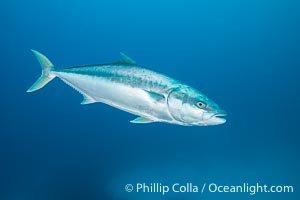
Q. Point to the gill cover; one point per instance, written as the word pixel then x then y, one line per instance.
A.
pixel 175 101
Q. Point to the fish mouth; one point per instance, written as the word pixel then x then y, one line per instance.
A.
pixel 220 114
pixel 217 118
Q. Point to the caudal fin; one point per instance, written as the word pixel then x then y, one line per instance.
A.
pixel 47 72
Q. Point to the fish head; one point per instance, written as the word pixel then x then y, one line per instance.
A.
pixel 192 108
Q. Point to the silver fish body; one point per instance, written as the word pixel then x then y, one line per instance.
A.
pixel 125 85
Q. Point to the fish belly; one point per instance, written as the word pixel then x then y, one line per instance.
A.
pixel 131 99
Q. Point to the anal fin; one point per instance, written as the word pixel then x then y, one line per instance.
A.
pixel 87 100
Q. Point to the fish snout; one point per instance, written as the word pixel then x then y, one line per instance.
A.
pixel 215 118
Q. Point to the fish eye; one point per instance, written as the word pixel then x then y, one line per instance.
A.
pixel 201 104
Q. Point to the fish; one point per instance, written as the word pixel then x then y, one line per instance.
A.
pixel 125 85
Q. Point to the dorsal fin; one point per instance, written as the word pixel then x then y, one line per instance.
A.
pixel 126 59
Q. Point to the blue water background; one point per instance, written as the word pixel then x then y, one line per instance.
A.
pixel 245 55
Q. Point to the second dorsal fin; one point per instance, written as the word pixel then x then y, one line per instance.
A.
pixel 126 59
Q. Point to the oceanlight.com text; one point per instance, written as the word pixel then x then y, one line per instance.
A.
pixel 189 187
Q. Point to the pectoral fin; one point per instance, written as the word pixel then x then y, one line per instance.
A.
pixel 155 96
pixel 141 120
